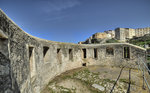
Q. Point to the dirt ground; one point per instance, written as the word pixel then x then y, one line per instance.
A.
pixel 108 79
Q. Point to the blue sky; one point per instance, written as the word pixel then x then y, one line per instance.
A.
pixel 76 20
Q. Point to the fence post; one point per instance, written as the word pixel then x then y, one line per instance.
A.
pixel 143 79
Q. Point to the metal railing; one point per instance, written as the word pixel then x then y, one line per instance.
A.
pixel 144 69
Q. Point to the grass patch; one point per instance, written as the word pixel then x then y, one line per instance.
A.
pixel 127 81
pixel 112 41
pixel 108 80
pixel 105 72
pixel 64 90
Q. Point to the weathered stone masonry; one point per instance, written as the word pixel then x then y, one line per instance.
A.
pixel 28 63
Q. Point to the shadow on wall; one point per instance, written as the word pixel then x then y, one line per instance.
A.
pixel 5 76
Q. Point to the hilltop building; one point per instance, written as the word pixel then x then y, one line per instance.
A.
pixel 124 34
pixel 142 31
pixel 99 37
pixel 111 33
pixel 121 34
pixel 105 34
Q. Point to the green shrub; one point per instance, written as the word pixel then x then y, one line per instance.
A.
pixel 111 41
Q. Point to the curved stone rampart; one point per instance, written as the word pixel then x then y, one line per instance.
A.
pixel 33 62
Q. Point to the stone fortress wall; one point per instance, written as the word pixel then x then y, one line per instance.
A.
pixel 28 63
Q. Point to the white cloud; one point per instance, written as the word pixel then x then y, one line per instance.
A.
pixel 59 5
pixel 54 9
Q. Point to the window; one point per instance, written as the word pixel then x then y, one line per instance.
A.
pixel 109 51
pixel 83 64
pixel 45 49
pixel 126 52
pixel 2 35
pixel 95 53
pixel 4 46
pixel 84 53
pixel 30 52
pixel 58 51
pixel 45 54
pixel 59 55
pixel 70 54
pixel 32 61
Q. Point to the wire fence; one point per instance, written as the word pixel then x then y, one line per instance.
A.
pixel 142 65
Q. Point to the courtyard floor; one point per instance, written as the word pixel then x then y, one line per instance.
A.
pixel 98 79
